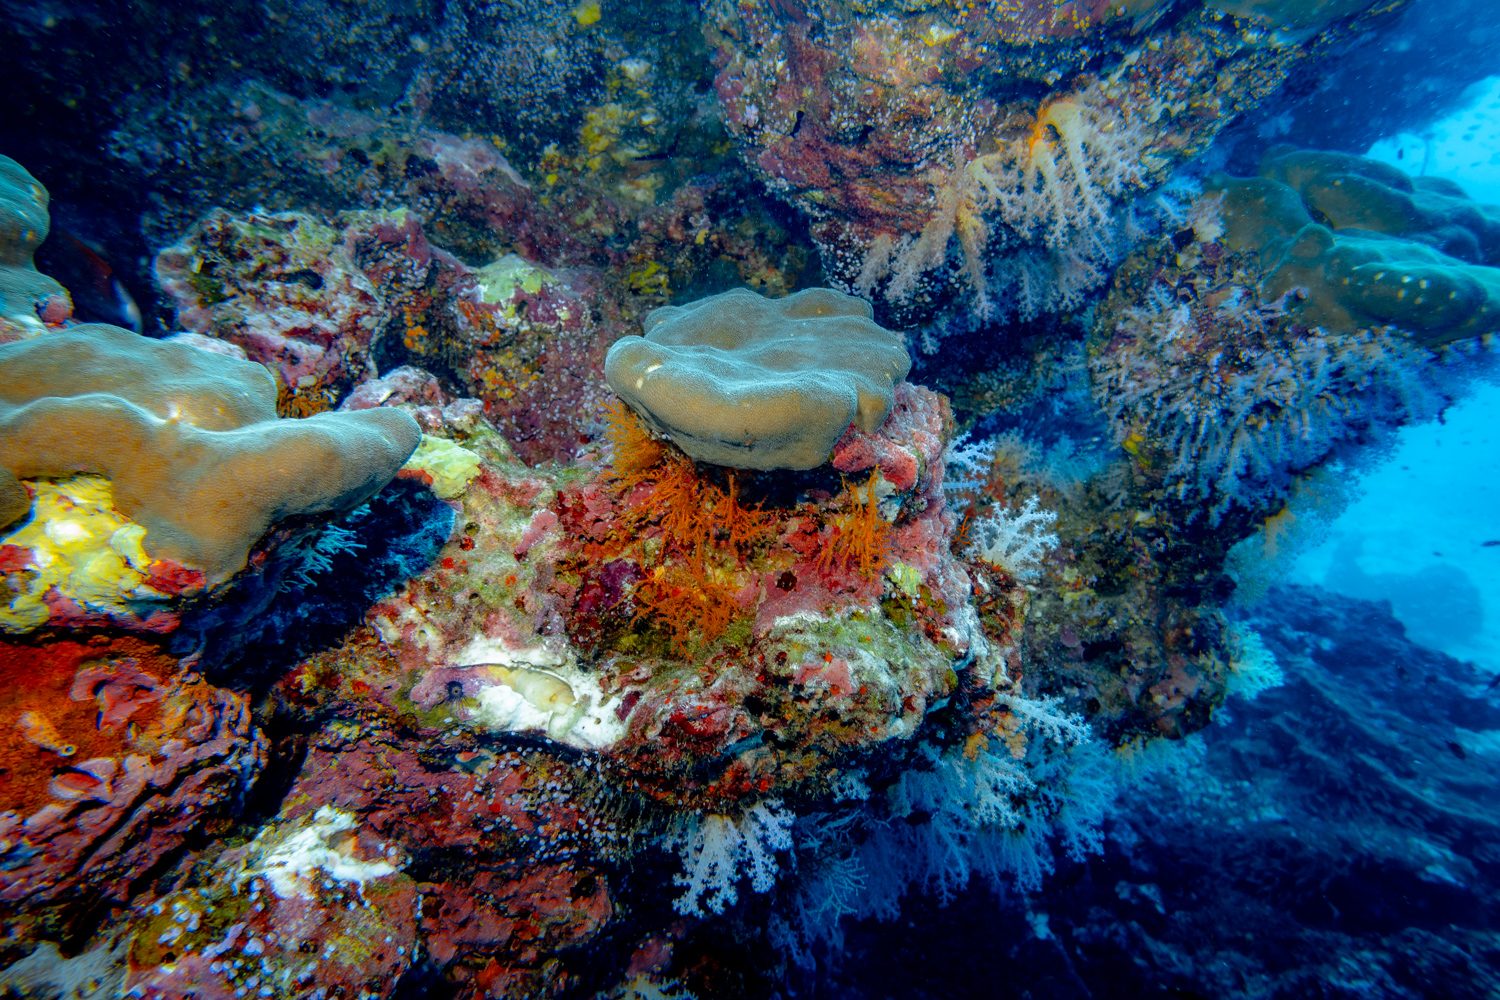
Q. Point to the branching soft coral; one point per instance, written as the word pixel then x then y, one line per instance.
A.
pixel 1054 186
pixel 694 514
pixel 1016 543
pixel 860 536
pixel 686 600
pixel 634 451
pixel 700 524
pixel 1231 399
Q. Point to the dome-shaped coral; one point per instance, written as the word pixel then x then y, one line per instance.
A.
pixel 755 383
pixel 24 224
pixel 189 439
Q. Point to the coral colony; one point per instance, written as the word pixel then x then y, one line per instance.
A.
pixel 523 543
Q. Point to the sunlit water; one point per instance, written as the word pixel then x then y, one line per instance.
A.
pixel 1425 533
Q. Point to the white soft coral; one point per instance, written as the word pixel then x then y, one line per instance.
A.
pixel 716 850
pixel 1017 543
pixel 1055 185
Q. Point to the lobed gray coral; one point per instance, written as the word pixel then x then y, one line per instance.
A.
pixel 755 383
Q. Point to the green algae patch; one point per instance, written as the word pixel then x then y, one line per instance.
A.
pixel 499 282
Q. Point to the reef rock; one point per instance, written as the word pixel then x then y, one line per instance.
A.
pixel 1007 140
pixel 111 757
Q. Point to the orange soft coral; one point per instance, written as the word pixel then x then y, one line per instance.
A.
pixel 684 600
pixel 861 536
pixel 634 450
pixel 693 513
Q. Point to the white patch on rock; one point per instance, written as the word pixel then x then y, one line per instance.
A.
pixel 310 854
pixel 541 688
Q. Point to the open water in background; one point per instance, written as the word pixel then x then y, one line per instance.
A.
pixel 1425 534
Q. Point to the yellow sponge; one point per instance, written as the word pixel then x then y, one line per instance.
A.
pixel 449 466
pixel 82 546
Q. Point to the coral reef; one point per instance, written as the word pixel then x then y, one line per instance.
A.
pixel 1255 345
pixel 1360 245
pixel 309 907
pixel 638 610
pixel 1009 140
pixel 755 383
pixel 527 341
pixel 1123 622
pixel 29 300
pixel 405 624
pixel 1361 780
pixel 306 300
pixel 189 440
pixel 566 611
pixel 112 756
pixel 596 198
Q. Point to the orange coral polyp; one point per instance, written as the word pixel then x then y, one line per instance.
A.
pixel 634 450
pixel 685 600
pixel 693 514
pixel 743 527
pixel 860 537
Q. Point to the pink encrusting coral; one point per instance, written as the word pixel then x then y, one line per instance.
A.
pixel 325 898
pixel 526 340
pixel 317 303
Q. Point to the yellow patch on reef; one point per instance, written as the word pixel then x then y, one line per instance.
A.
pixel 498 281
pixel 450 466
pixel 588 12
pixel 82 546
pixel 908 579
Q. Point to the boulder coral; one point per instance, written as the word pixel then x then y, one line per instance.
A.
pixel 189 440
pixel 1361 245
pixel 29 300
pixel 754 383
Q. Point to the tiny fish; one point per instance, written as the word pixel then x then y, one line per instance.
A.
pixel 98 293
pixel 35 727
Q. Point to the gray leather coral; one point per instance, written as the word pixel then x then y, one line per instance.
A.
pixel 190 441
